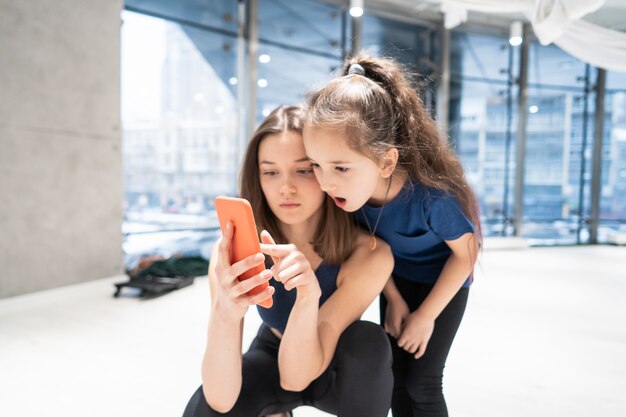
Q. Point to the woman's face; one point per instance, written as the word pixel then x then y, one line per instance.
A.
pixel 348 176
pixel 287 178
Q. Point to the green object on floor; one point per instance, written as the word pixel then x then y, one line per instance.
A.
pixel 161 276
pixel 192 266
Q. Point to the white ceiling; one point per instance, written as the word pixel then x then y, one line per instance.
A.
pixel 611 15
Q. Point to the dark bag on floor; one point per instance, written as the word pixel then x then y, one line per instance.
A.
pixel 161 276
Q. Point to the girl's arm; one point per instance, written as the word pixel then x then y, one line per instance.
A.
pixel 421 322
pixel 221 365
pixel 397 310
pixel 312 333
pixel 391 291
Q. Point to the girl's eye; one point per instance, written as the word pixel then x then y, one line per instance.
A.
pixel 269 173
pixel 305 171
pixel 342 169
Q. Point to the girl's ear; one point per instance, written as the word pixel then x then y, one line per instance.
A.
pixel 388 162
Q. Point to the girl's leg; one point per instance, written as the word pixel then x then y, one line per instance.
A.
pixel 360 374
pixel 422 379
pixel 401 404
pixel 260 392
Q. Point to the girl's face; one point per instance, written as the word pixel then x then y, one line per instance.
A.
pixel 287 178
pixel 349 177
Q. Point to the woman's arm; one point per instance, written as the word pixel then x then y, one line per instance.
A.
pixel 312 333
pixel 300 352
pixel 221 365
pixel 300 338
pixel 421 322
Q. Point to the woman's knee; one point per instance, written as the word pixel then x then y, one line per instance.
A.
pixel 198 406
pixel 365 341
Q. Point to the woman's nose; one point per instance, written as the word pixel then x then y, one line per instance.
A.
pixel 287 187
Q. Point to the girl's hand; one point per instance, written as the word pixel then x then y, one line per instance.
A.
pixel 291 267
pixel 396 314
pixel 232 300
pixel 416 334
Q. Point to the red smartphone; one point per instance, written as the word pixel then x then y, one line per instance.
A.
pixel 245 241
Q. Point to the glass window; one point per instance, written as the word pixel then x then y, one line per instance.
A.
pixel 175 99
pixel 306 24
pixel 412 45
pixel 475 56
pixel 289 76
pixel 407 43
pixel 613 191
pixel 180 117
pixel 483 123
pixel 299 48
pixel 558 149
pixel 550 65
pixel 217 14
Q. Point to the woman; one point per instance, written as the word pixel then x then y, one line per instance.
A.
pixel 311 349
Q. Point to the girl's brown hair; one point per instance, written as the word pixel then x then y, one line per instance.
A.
pixel 335 234
pixel 381 109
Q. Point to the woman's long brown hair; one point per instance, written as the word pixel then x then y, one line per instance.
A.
pixel 382 109
pixel 335 234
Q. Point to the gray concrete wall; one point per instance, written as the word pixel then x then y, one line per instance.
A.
pixel 60 159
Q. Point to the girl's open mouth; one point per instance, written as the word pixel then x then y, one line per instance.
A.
pixel 340 202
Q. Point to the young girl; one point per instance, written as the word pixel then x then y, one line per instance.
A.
pixel 377 153
pixel 311 348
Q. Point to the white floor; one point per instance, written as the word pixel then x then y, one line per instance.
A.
pixel 544 335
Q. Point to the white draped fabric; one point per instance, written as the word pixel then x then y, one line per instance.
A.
pixel 601 47
pixel 554 21
pixel 492 6
pixel 551 19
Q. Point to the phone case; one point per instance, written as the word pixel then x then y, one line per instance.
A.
pixel 245 238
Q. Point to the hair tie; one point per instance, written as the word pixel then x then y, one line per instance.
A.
pixel 356 69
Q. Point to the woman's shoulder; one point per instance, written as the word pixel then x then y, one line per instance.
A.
pixel 375 263
pixel 363 247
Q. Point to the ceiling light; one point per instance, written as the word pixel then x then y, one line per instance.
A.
pixel 515 37
pixel 262 83
pixel 356 8
pixel 264 59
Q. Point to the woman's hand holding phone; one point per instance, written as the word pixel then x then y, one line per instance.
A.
pixel 232 299
pixel 244 240
pixel 291 267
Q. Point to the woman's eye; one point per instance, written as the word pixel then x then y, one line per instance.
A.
pixel 342 169
pixel 269 173
pixel 305 171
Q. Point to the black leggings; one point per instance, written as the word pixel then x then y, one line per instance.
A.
pixel 418 382
pixel 358 381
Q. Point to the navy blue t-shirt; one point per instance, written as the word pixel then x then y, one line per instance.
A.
pixel 284 300
pixel 415 224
